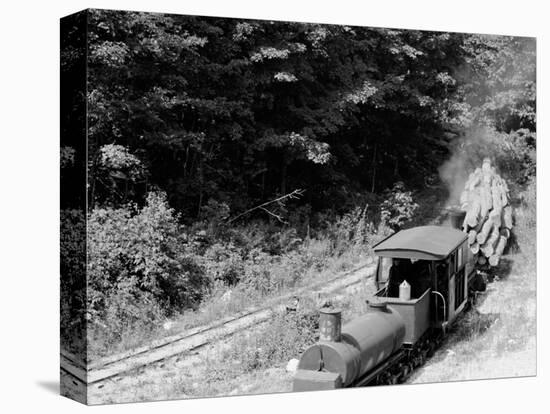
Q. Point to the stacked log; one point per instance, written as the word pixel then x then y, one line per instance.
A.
pixel 488 219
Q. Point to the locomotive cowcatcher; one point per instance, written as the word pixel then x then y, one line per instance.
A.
pixel 423 279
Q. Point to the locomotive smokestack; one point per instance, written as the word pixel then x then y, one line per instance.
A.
pixel 456 218
pixel 330 325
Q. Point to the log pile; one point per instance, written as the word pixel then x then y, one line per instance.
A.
pixel 488 220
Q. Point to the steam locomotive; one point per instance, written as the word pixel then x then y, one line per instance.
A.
pixel 424 277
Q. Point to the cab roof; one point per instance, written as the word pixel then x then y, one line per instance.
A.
pixel 425 243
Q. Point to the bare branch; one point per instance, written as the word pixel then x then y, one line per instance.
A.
pixel 278 217
pixel 293 195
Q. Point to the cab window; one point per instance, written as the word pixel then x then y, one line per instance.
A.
pixel 452 265
pixel 384 266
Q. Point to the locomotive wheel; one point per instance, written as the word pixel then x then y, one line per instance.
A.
pixel 382 379
pixel 388 379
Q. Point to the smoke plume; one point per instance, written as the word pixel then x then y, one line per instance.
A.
pixel 467 154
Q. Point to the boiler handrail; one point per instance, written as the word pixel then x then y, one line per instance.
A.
pixel 444 304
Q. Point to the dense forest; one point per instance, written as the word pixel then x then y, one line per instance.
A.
pixel 219 110
pixel 239 153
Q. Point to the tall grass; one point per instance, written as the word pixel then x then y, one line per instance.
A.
pixel 239 268
pixel 344 244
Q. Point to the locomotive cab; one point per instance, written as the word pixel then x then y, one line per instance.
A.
pixel 436 263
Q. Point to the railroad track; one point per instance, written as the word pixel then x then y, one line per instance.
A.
pixel 196 338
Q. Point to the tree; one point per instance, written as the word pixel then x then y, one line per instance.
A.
pixel 243 111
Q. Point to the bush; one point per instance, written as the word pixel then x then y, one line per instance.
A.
pixel 140 269
pixel 350 231
pixel 398 207
pixel 517 156
pixel 223 262
pixel 257 273
pixel 117 176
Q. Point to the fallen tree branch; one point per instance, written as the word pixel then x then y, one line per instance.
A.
pixel 293 195
pixel 278 217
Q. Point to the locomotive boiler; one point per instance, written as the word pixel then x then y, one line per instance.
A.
pixel 434 268
pixel 364 343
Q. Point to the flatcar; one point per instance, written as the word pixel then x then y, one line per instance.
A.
pixel 423 277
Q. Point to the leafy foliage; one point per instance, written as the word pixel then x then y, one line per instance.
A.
pixel 144 248
pixel 116 159
pixel 139 271
pixel 240 111
pixel 398 207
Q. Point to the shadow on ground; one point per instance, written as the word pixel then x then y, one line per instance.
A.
pixel 502 271
pixel 472 323
pixel 50 386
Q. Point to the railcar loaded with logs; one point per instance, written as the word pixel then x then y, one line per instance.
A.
pixel 425 277
pixel 488 220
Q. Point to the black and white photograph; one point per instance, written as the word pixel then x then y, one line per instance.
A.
pixel 275 206
pixel 280 205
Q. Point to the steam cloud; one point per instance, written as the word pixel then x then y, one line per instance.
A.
pixel 467 153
